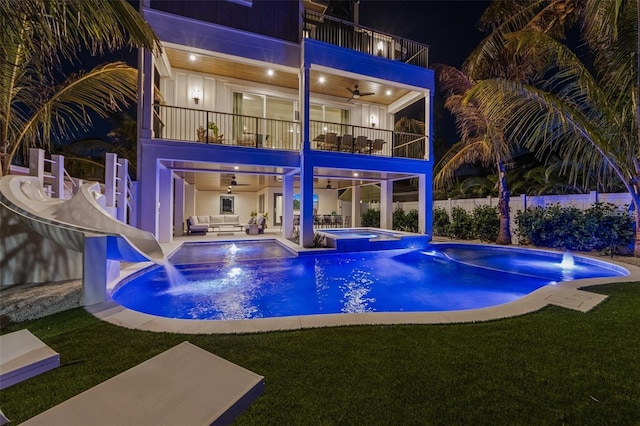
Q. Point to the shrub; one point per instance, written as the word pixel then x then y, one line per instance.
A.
pixel 411 221
pixel 319 240
pixel 601 227
pixel 371 218
pixel 407 222
pixel 486 223
pixel 614 227
pixel 461 224
pixel 399 219
pixel 441 222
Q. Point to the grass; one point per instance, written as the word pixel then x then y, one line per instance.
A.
pixel 554 366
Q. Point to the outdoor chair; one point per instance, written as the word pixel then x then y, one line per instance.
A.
pixel 347 143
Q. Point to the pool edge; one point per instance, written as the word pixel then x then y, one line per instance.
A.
pixel 567 294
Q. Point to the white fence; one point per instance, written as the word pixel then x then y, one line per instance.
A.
pixel 521 202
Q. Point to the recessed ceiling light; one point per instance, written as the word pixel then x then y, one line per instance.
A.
pixel 269 73
pixel 355 174
pixel 388 92
pixel 192 57
pixel 236 167
pixel 322 80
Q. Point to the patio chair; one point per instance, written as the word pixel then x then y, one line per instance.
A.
pixel 331 142
pixel 362 144
pixel 255 225
pixel 377 145
pixel 347 143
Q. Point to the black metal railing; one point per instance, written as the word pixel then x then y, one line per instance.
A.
pixel 362 39
pixel 329 136
pixel 194 125
pixel 212 127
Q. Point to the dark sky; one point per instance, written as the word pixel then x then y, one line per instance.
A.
pixel 449 27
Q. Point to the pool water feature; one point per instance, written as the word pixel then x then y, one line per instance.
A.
pixel 439 278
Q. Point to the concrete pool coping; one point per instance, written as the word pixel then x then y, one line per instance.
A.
pixel 567 294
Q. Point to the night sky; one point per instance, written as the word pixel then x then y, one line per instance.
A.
pixel 449 27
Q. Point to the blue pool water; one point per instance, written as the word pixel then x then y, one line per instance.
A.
pixel 253 280
pixel 360 233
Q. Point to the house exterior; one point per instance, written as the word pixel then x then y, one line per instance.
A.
pixel 275 107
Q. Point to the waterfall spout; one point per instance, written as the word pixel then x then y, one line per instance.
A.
pixel 567 261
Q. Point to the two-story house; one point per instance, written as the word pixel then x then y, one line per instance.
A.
pixel 275 106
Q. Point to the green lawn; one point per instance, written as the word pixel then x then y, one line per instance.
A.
pixel 555 366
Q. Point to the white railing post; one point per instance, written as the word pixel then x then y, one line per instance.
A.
pixel 57 173
pixel 132 203
pixel 36 164
pixel 110 181
pixel 122 189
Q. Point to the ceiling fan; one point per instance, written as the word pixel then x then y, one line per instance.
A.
pixel 355 93
pixel 230 179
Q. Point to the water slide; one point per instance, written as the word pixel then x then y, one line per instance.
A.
pixel 67 222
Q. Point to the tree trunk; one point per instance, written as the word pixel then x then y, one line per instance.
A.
pixel 504 232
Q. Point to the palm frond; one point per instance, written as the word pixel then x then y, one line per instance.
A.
pixel 64 111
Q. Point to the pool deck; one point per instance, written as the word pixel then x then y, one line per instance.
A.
pixel 566 294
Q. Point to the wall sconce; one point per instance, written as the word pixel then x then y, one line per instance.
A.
pixel 195 94
pixel 373 121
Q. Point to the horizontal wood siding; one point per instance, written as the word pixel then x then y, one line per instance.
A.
pixel 278 19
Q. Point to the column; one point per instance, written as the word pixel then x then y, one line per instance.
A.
pixel 306 203
pixel 165 206
pixel 386 204
pixel 179 217
pixel 287 206
pixel 356 219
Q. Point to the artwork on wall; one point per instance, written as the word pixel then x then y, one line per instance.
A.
pixel 226 204
pixel 296 202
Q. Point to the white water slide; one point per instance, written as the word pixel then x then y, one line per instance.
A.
pixel 67 222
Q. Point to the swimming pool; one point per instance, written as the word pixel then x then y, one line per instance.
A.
pixel 233 285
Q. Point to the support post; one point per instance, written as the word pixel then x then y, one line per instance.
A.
pixel 122 189
pixel 386 205
pixel 36 164
pixel 110 174
pixel 356 218
pixel 57 172
pixel 287 207
pixel 97 271
pixel 179 216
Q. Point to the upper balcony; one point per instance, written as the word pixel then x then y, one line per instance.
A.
pixel 225 129
pixel 348 35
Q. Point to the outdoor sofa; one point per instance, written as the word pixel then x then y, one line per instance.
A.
pixel 219 222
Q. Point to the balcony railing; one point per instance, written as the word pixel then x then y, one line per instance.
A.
pixel 192 125
pixel 186 124
pixel 366 40
pixel 328 136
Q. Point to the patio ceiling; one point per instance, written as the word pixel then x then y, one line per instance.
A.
pixel 217 176
pixel 334 84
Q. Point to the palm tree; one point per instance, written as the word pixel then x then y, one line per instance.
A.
pixel 482 141
pixel 483 137
pixel 42 37
pixel 588 113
